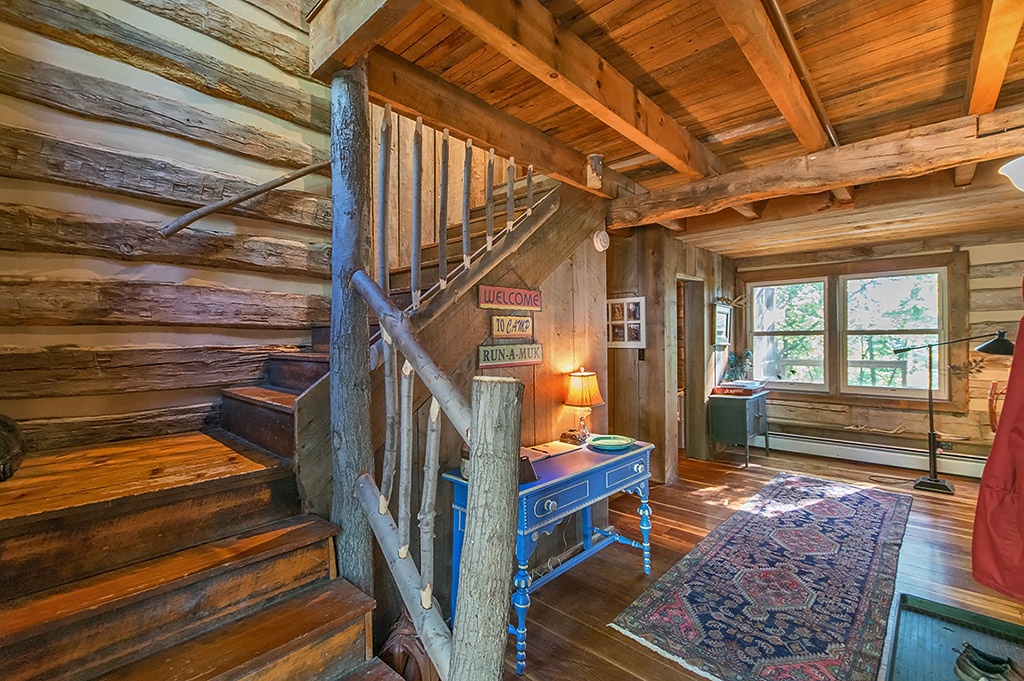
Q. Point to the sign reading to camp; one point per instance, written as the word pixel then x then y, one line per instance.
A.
pixel 504 298
pixel 510 326
pixel 492 356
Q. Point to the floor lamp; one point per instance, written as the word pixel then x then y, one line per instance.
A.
pixel 999 345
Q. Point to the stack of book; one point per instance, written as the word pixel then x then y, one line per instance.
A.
pixel 738 388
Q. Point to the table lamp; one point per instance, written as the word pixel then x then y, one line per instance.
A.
pixel 584 393
pixel 998 345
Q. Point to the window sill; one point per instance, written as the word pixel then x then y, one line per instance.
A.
pixel 879 402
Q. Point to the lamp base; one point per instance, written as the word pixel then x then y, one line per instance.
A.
pixel 934 485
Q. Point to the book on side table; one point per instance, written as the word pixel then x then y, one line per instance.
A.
pixel 738 388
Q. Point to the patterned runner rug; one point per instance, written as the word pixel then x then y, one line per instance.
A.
pixel 795 586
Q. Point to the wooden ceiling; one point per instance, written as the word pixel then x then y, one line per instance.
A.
pixel 738 92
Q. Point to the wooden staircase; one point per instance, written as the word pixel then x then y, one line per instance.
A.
pixel 178 557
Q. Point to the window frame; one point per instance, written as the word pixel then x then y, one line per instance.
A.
pixel 956 298
pixel 795 386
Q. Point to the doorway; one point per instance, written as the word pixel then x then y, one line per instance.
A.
pixel 690 381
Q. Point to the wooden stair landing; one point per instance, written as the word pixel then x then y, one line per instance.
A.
pixel 57 481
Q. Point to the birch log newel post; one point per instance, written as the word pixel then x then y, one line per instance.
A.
pixel 350 335
pixel 481 618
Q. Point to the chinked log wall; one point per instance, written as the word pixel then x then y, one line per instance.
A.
pixel 118 117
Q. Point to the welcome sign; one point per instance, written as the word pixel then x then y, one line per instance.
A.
pixel 505 298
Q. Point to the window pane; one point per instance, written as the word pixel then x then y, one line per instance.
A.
pixel 871 362
pixel 790 307
pixel 907 301
pixel 797 359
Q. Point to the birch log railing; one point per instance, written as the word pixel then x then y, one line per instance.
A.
pixel 474 650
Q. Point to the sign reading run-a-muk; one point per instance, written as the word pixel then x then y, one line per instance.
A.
pixel 505 298
pixel 492 356
pixel 511 326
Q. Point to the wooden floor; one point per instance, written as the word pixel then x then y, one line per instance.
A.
pixel 568 634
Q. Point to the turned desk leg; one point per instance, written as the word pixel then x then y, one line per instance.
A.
pixel 521 599
pixel 645 529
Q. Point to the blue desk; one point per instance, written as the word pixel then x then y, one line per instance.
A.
pixel 566 483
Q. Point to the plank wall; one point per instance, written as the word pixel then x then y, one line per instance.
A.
pixel 643 387
pixel 118 116
pixel 996 268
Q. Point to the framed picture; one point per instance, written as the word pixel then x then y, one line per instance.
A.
pixel 723 324
pixel 626 323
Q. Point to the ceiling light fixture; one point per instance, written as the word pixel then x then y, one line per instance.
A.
pixel 1015 171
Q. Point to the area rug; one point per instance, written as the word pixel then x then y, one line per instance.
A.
pixel 794 586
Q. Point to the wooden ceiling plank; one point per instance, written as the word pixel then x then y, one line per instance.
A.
pixel 998 28
pixel 909 153
pixel 342 31
pixel 526 33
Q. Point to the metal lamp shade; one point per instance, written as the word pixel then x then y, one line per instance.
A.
pixel 1015 171
pixel 1000 345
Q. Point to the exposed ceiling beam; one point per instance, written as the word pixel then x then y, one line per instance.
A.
pixel 910 153
pixel 528 34
pixel 998 28
pixel 781 70
pixel 342 31
pixel 414 91
pixel 752 28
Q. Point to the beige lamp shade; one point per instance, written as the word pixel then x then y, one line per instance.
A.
pixel 583 390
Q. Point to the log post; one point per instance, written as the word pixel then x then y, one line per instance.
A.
pixel 481 618
pixel 350 335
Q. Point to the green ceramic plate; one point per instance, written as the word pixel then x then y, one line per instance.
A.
pixel 610 443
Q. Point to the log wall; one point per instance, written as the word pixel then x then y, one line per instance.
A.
pixel 996 268
pixel 121 115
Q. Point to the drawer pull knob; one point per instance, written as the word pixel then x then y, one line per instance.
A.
pixel 550 505
pixel 638 467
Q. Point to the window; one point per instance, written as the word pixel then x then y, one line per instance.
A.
pixel 834 332
pixel 789 332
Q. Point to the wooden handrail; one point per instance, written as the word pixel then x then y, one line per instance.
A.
pixel 172 228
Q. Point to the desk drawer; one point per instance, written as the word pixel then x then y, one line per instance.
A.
pixel 549 504
pixel 633 468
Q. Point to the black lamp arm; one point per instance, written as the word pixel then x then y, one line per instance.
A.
pixel 899 351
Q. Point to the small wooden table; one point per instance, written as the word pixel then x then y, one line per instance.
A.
pixel 566 483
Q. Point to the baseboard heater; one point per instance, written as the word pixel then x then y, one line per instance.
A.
pixel 902 457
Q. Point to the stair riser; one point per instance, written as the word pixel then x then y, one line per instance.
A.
pixel 111 535
pixel 295 374
pixel 94 645
pixel 323 659
pixel 263 426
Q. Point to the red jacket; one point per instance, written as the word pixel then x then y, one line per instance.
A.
pixel 998 547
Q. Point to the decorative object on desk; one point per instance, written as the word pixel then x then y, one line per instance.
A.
pixel 583 394
pixel 627 323
pixel 739 388
pixel 999 345
pixel 722 324
pixel 796 584
pixel 740 365
pixel 610 443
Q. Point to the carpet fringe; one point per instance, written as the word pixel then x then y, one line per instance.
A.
pixel 678 660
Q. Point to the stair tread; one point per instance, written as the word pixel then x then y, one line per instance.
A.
pixel 82 477
pixel 246 643
pixel 374 670
pixel 60 606
pixel 280 399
